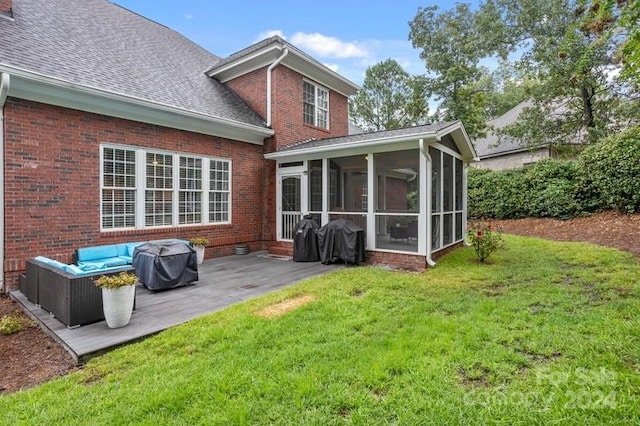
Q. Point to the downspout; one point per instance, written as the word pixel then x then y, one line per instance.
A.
pixel 4 91
pixel 426 155
pixel 285 52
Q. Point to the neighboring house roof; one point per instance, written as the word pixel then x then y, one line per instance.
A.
pixel 269 50
pixel 354 130
pixel 362 140
pixel 98 46
pixel 492 145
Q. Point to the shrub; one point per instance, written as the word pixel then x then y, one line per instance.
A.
pixel 117 280
pixel 10 324
pixel 609 174
pixel 550 187
pixel 484 239
pixel 199 241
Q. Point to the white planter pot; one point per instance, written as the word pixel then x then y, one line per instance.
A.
pixel 199 253
pixel 117 304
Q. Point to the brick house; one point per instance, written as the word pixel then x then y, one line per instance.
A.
pixel 115 128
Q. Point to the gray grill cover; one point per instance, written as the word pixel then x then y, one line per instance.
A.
pixel 343 240
pixel 161 266
pixel 305 241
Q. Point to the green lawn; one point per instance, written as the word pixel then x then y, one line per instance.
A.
pixel 546 333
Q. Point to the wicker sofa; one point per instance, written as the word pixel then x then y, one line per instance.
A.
pixel 71 298
pixel 68 291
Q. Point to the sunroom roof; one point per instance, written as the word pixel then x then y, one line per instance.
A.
pixel 427 132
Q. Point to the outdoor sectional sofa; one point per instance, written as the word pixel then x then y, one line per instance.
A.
pixel 68 291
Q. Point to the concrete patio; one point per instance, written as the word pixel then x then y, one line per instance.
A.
pixel 223 282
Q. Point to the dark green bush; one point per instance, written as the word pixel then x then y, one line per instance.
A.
pixel 609 174
pixel 605 176
pixel 543 190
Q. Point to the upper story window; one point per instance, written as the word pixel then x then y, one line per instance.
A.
pixel 146 188
pixel 316 105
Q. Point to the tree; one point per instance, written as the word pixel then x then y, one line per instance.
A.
pixel 568 71
pixel 452 49
pixel 390 98
pixel 616 22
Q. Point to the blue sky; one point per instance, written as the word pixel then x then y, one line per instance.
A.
pixel 348 35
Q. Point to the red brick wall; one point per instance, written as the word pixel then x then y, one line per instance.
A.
pixel 396 194
pixel 5 6
pixel 287 120
pixel 52 183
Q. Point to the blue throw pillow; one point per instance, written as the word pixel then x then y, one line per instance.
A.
pixel 91 266
pixel 73 269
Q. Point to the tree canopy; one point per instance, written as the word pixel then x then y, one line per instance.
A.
pixel 390 98
pixel 567 70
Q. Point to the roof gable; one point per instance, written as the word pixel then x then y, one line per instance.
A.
pixel 267 51
pixel 453 132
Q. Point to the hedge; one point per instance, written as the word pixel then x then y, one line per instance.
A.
pixel 605 176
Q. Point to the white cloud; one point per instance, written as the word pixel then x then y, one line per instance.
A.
pixel 327 47
pixel 269 33
pixel 332 67
pixel 188 16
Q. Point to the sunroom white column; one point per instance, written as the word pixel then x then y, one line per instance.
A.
pixel 371 206
pixel 424 230
pixel 325 191
pixel 465 176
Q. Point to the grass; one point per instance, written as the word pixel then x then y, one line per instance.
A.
pixel 545 333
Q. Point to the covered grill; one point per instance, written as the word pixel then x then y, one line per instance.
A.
pixel 161 266
pixel 342 240
pixel 305 240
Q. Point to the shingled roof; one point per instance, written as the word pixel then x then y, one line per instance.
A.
pixel 495 145
pixel 100 45
pixel 360 140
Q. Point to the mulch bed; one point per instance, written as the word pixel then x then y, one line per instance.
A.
pixel 31 357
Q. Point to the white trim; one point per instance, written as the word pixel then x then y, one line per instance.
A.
pixel 296 60
pixel 317 88
pixel 140 189
pixel 397 143
pixel 5 83
pixel 40 88
pixel 372 192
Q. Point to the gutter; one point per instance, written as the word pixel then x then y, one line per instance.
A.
pixel 46 81
pixel 5 80
pixel 426 155
pixel 275 63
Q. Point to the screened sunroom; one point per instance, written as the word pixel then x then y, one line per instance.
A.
pixel 405 188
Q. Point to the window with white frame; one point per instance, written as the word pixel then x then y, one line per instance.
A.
pixel 190 193
pixel 118 188
pixel 144 189
pixel 158 197
pixel 219 191
pixel 316 105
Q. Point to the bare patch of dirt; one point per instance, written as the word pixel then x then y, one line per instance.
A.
pixel 285 306
pixel 31 357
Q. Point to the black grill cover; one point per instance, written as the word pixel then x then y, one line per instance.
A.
pixel 343 240
pixel 305 241
pixel 161 266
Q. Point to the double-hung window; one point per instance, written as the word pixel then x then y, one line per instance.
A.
pixel 143 188
pixel 315 105
pixel 190 199
pixel 219 191
pixel 118 188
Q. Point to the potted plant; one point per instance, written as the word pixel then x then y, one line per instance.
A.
pixel 118 295
pixel 199 243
